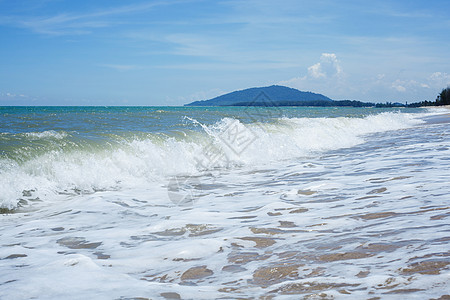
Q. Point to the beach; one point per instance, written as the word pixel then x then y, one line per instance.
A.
pixel 224 203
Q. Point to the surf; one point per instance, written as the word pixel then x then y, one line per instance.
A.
pixel 42 165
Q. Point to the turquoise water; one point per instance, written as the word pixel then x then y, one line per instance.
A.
pixel 19 119
pixel 103 126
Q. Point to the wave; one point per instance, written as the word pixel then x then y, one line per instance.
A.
pixel 46 134
pixel 64 165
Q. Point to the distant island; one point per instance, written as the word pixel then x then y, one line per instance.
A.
pixel 276 95
pixel 262 96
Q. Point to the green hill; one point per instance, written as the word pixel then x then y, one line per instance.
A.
pixel 274 95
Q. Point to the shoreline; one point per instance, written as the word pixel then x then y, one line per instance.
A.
pixel 438 118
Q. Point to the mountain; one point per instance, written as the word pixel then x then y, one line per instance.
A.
pixel 274 95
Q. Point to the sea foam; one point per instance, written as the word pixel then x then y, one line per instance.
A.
pixel 286 207
pixel 136 161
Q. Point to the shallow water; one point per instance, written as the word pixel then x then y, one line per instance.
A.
pixel 312 203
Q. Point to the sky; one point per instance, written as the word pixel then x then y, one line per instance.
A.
pixel 169 52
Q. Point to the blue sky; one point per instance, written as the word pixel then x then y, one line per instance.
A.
pixel 111 52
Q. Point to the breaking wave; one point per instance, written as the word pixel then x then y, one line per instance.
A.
pixel 40 165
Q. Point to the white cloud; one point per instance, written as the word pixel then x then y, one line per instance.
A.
pixel 293 81
pixel 381 76
pixel 12 95
pixel 326 77
pixel 412 85
pixel 440 79
pixel 15 98
pixel 328 66
pixel 398 85
pixel 315 71
pixel 436 80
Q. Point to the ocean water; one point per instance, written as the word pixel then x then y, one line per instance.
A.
pixel 224 203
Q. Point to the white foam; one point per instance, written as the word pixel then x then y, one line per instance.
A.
pixel 226 144
pixel 47 134
pixel 151 242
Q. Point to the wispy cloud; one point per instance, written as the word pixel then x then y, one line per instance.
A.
pixel 212 51
pixel 440 79
pixel 435 81
pixel 8 98
pixel 196 45
pixel 12 95
pixel 75 24
pixel 223 66
pixel 121 67
pixel 201 95
pixel 314 45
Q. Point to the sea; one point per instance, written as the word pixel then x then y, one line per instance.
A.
pixel 224 203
